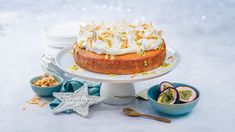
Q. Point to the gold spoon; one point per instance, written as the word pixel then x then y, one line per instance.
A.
pixel 133 113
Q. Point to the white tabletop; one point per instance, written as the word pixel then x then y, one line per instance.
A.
pixel 201 31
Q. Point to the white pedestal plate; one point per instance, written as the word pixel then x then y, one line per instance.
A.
pixel 117 89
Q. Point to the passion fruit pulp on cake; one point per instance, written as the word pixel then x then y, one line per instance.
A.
pixel 123 49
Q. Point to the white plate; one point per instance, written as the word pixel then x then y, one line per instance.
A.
pixel 64 60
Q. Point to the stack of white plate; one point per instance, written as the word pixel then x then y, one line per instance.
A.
pixel 62 34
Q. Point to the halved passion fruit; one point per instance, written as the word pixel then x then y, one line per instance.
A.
pixel 187 94
pixel 164 85
pixel 168 96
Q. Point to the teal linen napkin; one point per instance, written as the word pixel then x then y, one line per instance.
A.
pixel 73 85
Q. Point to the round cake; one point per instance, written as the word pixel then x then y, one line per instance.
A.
pixel 119 48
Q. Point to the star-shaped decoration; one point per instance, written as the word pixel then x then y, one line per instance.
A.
pixel 79 101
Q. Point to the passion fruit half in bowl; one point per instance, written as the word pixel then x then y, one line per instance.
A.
pixel 168 96
pixel 164 85
pixel 176 100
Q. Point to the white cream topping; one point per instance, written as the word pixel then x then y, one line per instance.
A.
pixel 119 38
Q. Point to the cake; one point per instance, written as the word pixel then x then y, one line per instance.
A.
pixel 119 48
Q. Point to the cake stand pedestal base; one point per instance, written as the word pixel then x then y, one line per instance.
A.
pixel 117 93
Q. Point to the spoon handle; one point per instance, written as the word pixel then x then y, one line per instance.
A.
pixel 157 118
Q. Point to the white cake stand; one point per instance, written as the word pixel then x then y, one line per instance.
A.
pixel 116 89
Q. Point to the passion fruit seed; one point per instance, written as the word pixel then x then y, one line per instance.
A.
pixel 164 85
pixel 167 97
pixel 185 94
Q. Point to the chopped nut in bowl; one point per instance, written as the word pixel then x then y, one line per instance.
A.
pixel 45 85
pixel 46 81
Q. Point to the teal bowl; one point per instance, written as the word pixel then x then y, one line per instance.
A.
pixel 171 109
pixel 47 91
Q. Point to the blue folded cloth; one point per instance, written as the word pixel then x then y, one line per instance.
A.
pixel 73 85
